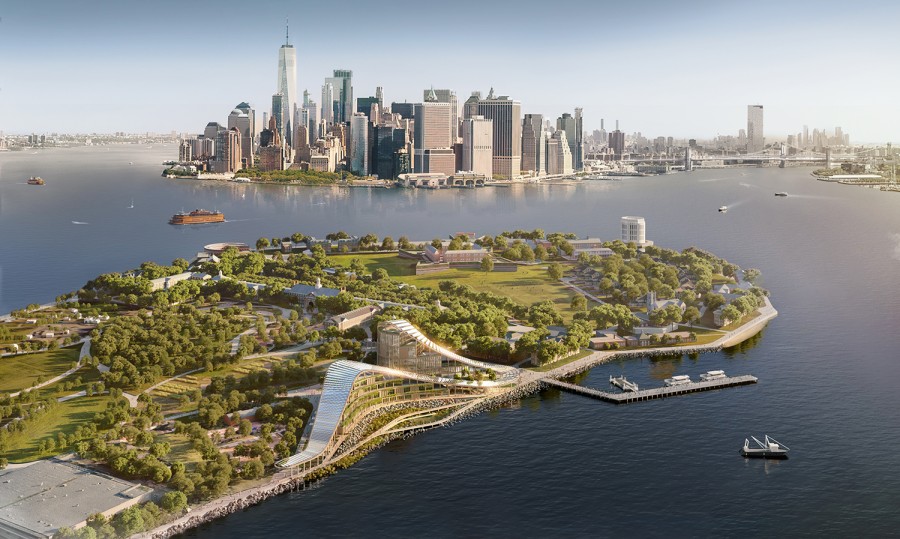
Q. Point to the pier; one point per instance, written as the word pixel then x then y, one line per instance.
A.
pixel 655 393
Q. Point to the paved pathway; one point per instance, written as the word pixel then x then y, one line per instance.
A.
pixel 85 351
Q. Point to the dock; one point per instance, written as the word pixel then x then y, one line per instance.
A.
pixel 655 393
pixel 622 383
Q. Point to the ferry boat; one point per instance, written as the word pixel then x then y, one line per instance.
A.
pixel 678 380
pixel 781 194
pixel 197 217
pixel 770 449
pixel 723 209
pixel 712 375
pixel 35 180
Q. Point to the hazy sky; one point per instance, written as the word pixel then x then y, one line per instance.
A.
pixel 686 68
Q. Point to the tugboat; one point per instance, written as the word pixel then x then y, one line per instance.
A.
pixel 35 180
pixel 770 449
pixel 723 209
pixel 197 217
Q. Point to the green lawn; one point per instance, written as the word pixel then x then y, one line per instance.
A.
pixel 20 372
pixel 182 449
pixel 66 417
pixel 394 265
pixel 529 285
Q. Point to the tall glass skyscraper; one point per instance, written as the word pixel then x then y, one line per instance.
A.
pixel 755 140
pixel 287 85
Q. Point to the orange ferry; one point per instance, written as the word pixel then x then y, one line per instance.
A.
pixel 197 217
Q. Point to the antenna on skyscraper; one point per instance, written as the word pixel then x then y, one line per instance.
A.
pixel 287 39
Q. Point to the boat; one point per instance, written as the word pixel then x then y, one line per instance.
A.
pixel 197 217
pixel 132 205
pixel 723 209
pixel 678 380
pixel 781 194
pixel 770 449
pixel 712 375
pixel 36 180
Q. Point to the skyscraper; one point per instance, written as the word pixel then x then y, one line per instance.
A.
pixel 534 139
pixel 578 154
pixel 241 118
pixel 507 123
pixel 359 144
pixel 559 154
pixel 278 113
pixel 342 99
pixel 570 125
pixel 447 96
pixel 287 85
pixel 328 102
pixel 755 140
pixel 432 132
pixel 477 145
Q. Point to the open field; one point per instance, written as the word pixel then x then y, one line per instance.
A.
pixel 21 371
pixel 66 417
pixel 395 266
pixel 529 285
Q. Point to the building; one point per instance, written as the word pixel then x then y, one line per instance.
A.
pixel 342 95
pixel 39 499
pixel 278 114
pixel 328 102
pixel 307 294
pixel 755 140
pixel 634 230
pixel 617 144
pixel 228 153
pixel 459 256
pixel 578 153
pixel 507 124
pixel 478 145
pixel 449 97
pixel 356 317
pixel 243 118
pixel 287 86
pixel 534 140
pixel 405 110
pixel 432 132
pixel 387 143
pixel 559 154
pixel 571 126
pixel 359 144
pixel 271 153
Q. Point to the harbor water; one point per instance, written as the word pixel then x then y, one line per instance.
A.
pixel 555 463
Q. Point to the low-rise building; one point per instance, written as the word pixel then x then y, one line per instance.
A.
pixel 165 283
pixel 353 318
pixel 307 294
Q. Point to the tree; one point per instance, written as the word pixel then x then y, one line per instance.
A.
pixel 436 243
pixel 579 302
pixel 403 243
pixel 262 243
pixel 487 264
pixel 555 270
pixel 730 313
pixel 379 274
pixel 181 264
pixel 297 237
pixel 540 252
pixel 691 315
pixel 253 469
pixel 387 244
pixel 245 427
pixel 173 502
pixel 129 522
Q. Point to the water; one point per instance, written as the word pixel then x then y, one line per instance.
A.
pixel 557 463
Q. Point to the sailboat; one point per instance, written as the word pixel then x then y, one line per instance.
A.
pixel 132 205
pixel 769 449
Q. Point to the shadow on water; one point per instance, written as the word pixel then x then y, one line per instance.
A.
pixel 744 347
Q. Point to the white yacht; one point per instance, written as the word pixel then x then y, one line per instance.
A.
pixel 712 375
pixel 678 380
pixel 723 209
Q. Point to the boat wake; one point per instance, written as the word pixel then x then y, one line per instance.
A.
pixel 79 223
pixel 748 185
pixel 241 220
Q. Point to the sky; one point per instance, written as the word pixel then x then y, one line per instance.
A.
pixel 662 68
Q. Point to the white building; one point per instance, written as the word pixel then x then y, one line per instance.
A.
pixel 634 229
pixel 755 140
pixel 287 86
pixel 478 145
pixel 359 144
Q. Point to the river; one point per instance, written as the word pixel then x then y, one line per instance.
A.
pixel 556 464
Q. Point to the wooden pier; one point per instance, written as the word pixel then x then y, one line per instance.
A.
pixel 656 393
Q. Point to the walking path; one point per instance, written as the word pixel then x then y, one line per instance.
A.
pixel 568 283
pixel 85 351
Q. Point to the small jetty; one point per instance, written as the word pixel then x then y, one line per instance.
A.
pixel 655 393
pixel 622 383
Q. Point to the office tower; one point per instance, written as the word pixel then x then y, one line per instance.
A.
pixel 271 153
pixel 287 85
pixel 507 121
pixel 379 94
pixel 805 136
pixel 387 143
pixel 405 110
pixel 342 99
pixel 310 118
pixel 432 132
pixel 477 146
pixel 211 132
pixel 185 151
pixel 328 102
pixel 559 155
pixel 617 143
pixel 578 154
pixel 447 96
pixel 634 230
pixel 364 104
pixel 228 153
pixel 569 124
pixel 359 144
pixel 278 114
pixel 755 140
pixel 241 118
pixel 534 139
pixel 470 107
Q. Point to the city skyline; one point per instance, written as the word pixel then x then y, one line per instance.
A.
pixel 69 70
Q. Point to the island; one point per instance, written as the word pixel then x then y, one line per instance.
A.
pixel 201 387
